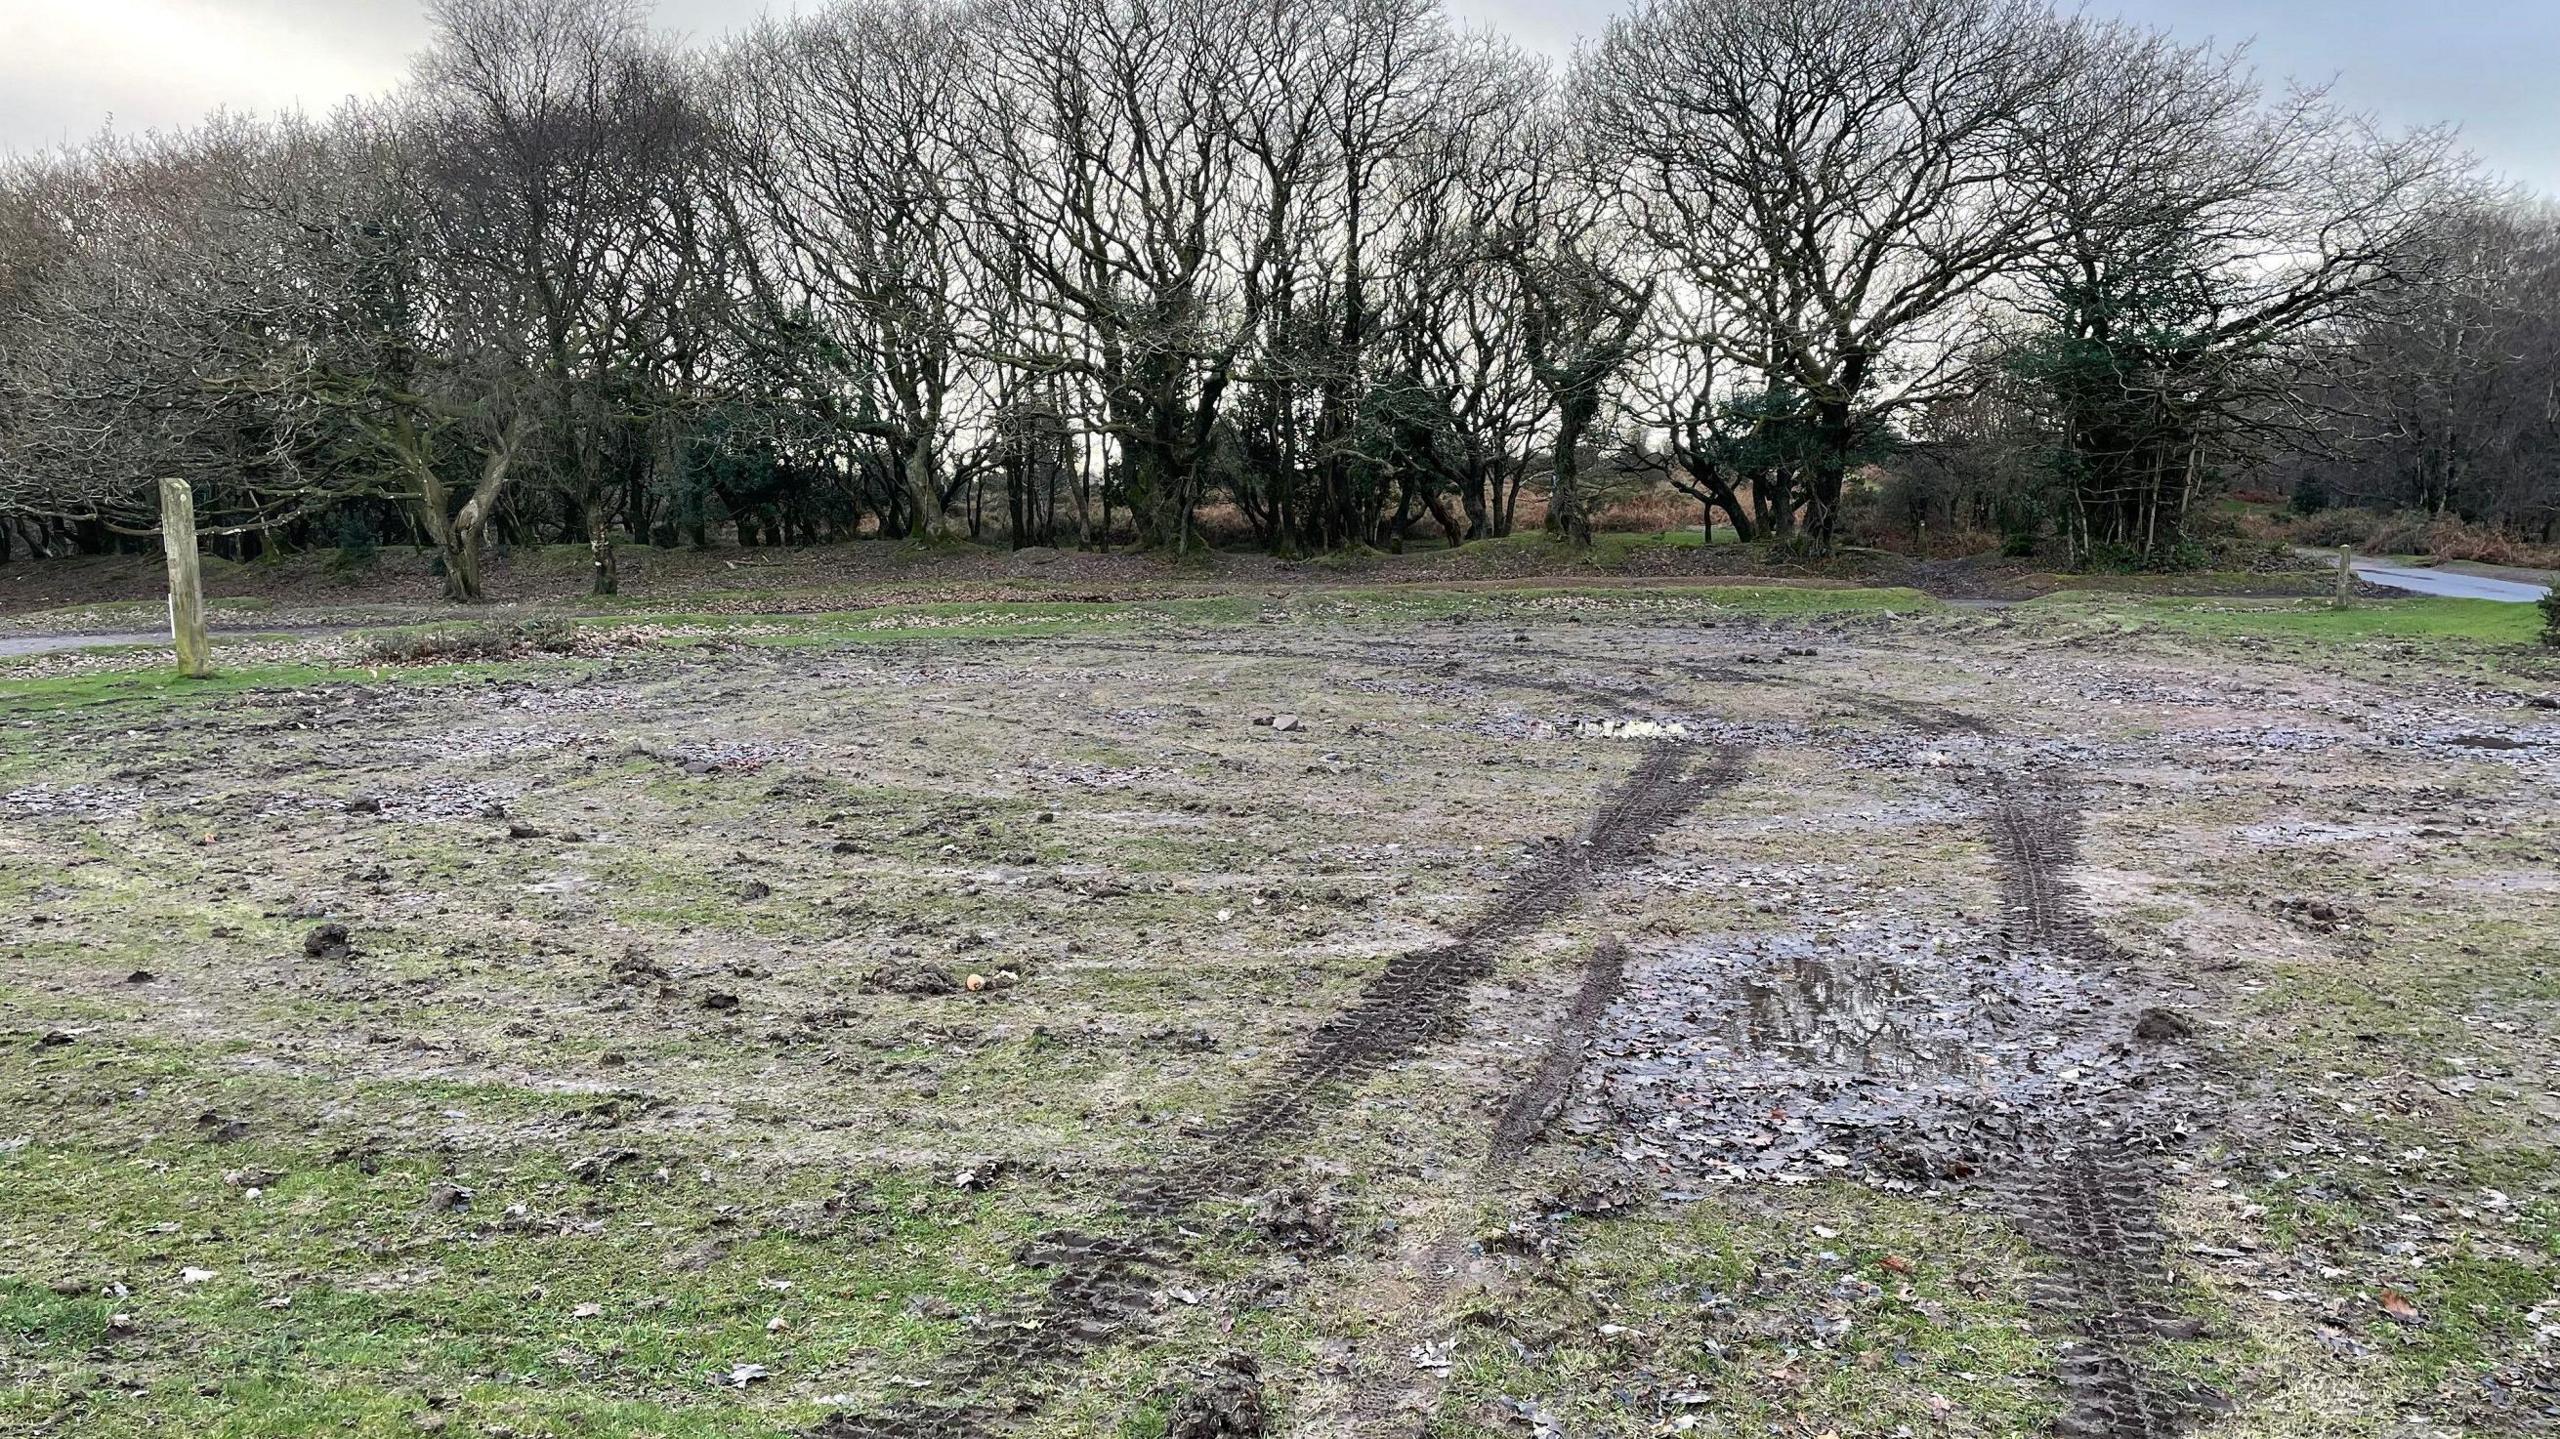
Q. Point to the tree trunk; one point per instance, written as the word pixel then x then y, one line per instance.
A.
pixel 608 575
pixel 1566 514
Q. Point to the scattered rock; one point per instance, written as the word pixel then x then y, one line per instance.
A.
pixel 981 1174
pixel 754 889
pixel 720 1000
pixel 53 1039
pixel 140 976
pixel 329 941
pixel 445 1198
pixel 220 1128
pixel 364 804
pixel 1223 1403
pixel 518 829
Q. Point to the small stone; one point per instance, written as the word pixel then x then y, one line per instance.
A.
pixel 329 941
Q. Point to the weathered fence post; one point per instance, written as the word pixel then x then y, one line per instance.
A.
pixel 2346 578
pixel 186 577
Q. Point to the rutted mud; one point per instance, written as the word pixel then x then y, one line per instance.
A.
pixel 1106 1286
pixel 2093 1201
pixel 2026 1065
pixel 1534 1103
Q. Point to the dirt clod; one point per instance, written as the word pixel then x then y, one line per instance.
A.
pixel 329 941
pixel 2163 1026
pixel 1224 1403
pixel 922 979
pixel 1298 1221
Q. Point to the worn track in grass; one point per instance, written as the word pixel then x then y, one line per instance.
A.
pixel 1105 1285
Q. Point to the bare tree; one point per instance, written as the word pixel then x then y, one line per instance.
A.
pixel 843 155
pixel 1841 172
pixel 2206 248
pixel 545 126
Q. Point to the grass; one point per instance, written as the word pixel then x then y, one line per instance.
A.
pixel 1769 1317
pixel 2314 622
pixel 1093 828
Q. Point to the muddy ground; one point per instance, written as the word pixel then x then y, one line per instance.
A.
pixel 1464 1013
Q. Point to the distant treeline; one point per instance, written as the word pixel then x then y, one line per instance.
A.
pixel 1058 269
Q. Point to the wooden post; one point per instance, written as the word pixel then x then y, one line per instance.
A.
pixel 186 578
pixel 2346 578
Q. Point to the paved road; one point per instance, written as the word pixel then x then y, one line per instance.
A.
pixel 54 644
pixel 50 644
pixel 2450 584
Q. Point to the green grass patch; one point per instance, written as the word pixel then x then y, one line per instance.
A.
pixel 2471 622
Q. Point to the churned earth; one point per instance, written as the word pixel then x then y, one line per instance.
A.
pixel 1466 1012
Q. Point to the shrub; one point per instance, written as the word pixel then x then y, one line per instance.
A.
pixel 2310 495
pixel 2551 618
pixel 466 643
pixel 1646 512
pixel 358 549
pixel 2331 528
pixel 2400 535
pixel 2449 538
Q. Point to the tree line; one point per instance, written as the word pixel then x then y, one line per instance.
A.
pixel 1337 270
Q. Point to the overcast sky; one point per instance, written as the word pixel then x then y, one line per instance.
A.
pixel 67 66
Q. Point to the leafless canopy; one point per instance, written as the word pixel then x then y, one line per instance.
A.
pixel 1321 272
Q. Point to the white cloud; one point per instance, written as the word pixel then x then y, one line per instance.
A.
pixel 66 66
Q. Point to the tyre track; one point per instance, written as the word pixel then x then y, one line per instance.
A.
pixel 1105 1286
pixel 2100 1214
pixel 1376 1400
